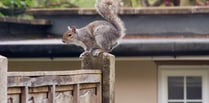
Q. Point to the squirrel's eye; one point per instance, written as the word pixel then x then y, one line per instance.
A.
pixel 69 34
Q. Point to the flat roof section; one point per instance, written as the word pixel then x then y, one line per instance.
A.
pixel 127 48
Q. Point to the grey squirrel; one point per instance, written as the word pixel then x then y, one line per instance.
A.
pixel 100 35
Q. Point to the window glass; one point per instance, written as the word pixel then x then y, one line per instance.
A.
pixel 175 102
pixel 175 88
pixel 194 102
pixel 194 88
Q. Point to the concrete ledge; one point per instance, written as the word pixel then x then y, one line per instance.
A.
pixel 123 11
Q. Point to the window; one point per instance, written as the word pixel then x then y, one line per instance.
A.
pixel 183 84
pixel 184 89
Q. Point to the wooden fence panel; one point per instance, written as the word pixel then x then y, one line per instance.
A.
pixel 3 79
pixel 79 86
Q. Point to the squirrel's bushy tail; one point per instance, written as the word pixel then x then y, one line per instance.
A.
pixel 109 10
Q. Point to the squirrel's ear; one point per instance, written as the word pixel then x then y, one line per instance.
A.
pixel 69 28
pixel 73 28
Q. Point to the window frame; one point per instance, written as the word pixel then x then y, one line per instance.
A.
pixel 181 70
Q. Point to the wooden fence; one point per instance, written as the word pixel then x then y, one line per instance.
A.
pixel 77 86
pixel 80 86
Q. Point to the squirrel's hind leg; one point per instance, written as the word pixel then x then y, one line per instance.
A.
pixel 114 45
pixel 85 53
pixel 103 43
pixel 96 52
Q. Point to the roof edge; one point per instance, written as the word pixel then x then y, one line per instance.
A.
pixel 127 48
pixel 123 11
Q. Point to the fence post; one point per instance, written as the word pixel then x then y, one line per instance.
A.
pixel 105 62
pixel 3 79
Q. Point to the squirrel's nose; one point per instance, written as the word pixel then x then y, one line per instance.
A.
pixel 63 41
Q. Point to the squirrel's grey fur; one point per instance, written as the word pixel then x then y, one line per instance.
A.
pixel 99 34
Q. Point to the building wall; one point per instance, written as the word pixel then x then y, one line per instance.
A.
pixel 136 81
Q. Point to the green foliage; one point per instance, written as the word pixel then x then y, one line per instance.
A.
pixel 84 3
pixel 63 3
pixel 134 3
pixel 1 15
pixel 17 7
pixel 16 3
pixel 14 7
pixel 57 3
pixel 2 5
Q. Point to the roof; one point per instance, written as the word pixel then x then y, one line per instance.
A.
pixel 123 11
pixel 127 48
pixel 169 34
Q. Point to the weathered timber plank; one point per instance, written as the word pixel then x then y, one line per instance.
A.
pixel 38 89
pixel 49 80
pixel 16 90
pixel 106 62
pixel 91 62
pixel 44 89
pixel 3 77
pixel 64 97
pixel 18 81
pixel 47 73
pixel 108 79
pixel 14 98
pixel 87 86
pixel 99 93
pixel 60 88
pixel 76 93
pixel 51 93
pixel 65 80
pixel 88 96
pixel 37 98
pixel 24 95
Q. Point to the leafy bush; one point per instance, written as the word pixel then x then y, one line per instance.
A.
pixel 63 3
pixel 46 3
pixel 15 3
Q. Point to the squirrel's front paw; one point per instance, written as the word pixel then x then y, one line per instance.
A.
pixel 85 53
pixel 96 52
